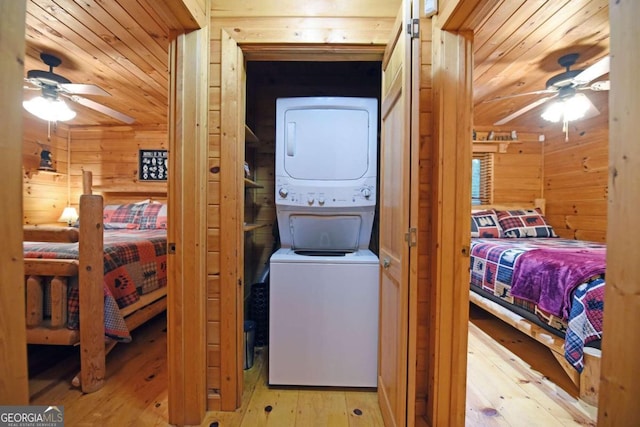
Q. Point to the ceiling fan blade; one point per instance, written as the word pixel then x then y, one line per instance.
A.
pixel 600 86
pixel 592 111
pixel 591 73
pixel 83 89
pixel 523 110
pixel 102 109
pixel 535 92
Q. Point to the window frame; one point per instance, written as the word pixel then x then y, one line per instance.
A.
pixel 485 176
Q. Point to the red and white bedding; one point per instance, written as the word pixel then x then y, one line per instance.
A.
pixel 135 263
pixel 561 281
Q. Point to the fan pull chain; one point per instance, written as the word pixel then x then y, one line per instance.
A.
pixel 565 129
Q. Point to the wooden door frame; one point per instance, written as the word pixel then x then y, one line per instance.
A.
pixel 452 62
pixel 619 374
pixel 253 48
pixel 181 16
pixel 14 386
pixel 453 89
pixel 452 59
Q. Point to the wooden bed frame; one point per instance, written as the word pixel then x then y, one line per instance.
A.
pixel 588 381
pixel 87 274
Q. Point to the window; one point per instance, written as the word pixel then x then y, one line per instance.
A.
pixel 482 179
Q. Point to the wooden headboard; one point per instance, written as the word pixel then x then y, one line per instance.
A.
pixel 537 203
pixel 115 194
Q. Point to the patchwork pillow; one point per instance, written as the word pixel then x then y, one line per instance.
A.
pixel 485 224
pixel 154 216
pixel 524 223
pixel 123 216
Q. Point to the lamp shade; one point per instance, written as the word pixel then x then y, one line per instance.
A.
pixel 567 109
pixel 69 215
pixel 50 109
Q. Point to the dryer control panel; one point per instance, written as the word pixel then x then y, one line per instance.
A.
pixel 325 196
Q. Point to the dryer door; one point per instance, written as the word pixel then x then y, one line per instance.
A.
pixel 326 143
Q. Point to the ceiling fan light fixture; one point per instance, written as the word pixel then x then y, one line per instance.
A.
pixel 567 109
pixel 50 109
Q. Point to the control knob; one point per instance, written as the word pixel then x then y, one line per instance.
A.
pixel 321 201
pixel 366 192
pixel 310 200
pixel 283 192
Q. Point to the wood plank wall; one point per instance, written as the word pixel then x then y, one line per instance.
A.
pixel 575 178
pixel 319 23
pixel 518 172
pixel 111 154
pixel 44 193
pixel 570 174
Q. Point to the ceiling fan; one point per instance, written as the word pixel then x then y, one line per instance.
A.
pixel 565 85
pixel 53 85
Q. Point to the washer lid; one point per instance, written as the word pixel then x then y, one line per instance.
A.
pixel 288 255
pixel 339 233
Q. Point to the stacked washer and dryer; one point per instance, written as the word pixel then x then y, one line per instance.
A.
pixel 323 291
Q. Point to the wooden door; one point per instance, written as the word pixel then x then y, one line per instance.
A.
pixel 395 236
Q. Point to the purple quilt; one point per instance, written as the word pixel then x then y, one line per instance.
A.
pixel 548 276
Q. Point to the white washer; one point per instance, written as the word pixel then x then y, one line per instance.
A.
pixel 323 319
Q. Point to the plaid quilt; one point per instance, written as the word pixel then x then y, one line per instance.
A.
pixel 493 264
pixel 135 263
pixel 585 320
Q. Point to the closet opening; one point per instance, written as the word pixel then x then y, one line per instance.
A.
pixel 267 81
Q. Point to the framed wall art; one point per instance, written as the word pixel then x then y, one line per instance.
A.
pixel 153 165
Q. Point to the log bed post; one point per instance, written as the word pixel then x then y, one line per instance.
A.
pixel 91 275
pixel 87 182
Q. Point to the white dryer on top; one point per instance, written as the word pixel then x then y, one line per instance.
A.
pixel 326 151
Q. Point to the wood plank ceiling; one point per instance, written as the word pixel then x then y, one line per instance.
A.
pixel 122 45
pixel 517 48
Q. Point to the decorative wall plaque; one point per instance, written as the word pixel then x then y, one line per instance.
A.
pixel 153 165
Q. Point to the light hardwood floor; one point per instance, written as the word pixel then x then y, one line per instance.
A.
pixel 512 380
pixel 264 406
pixel 505 387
